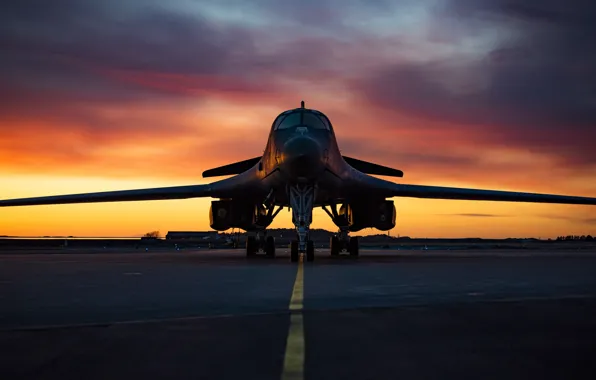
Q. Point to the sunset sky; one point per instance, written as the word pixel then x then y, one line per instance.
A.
pixel 113 95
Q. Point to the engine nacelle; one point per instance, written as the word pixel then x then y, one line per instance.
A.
pixel 226 214
pixel 378 214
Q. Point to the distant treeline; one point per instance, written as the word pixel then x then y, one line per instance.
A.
pixel 575 238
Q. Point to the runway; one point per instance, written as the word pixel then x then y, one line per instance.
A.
pixel 216 315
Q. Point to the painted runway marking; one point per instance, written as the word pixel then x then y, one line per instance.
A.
pixel 294 356
pixel 297 292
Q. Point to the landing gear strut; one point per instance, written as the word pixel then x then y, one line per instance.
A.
pixel 342 242
pixel 260 242
pixel 301 201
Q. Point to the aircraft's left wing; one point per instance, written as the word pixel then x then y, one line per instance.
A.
pixel 390 189
pixel 176 192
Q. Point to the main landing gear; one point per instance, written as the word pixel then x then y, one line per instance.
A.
pixel 302 200
pixel 342 242
pixel 350 246
pixel 260 243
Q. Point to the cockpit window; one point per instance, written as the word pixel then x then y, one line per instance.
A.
pixel 313 121
pixel 306 118
pixel 278 121
pixel 290 121
pixel 326 121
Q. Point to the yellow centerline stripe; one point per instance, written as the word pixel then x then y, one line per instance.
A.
pixel 297 292
pixel 294 357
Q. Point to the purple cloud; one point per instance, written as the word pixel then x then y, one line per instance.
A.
pixel 536 90
pixel 512 73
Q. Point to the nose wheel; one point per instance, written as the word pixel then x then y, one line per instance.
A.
pixel 310 251
pixel 295 254
pixel 353 246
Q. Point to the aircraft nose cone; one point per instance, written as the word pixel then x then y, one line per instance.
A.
pixel 302 157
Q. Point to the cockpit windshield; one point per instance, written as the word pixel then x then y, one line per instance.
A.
pixel 291 120
pixel 311 120
pixel 305 118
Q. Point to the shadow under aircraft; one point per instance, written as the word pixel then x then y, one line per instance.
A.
pixel 301 168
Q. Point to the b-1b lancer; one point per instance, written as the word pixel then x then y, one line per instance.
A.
pixel 301 168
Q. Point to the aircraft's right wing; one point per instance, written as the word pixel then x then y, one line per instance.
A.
pixel 176 192
pixel 390 189
pixel 436 192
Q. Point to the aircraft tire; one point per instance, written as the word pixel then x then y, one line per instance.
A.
pixel 310 251
pixel 353 247
pixel 270 246
pixel 334 246
pixel 294 251
pixel 251 246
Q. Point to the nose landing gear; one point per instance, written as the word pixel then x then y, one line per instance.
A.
pixel 302 200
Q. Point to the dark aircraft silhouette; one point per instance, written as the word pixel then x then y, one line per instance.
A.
pixel 301 168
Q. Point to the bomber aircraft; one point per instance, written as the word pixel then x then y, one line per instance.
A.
pixel 301 168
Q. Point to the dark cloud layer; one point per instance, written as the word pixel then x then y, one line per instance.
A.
pixel 476 215
pixel 64 64
pixel 58 55
pixel 147 39
pixel 481 215
pixel 71 44
pixel 68 47
pixel 534 91
pixel 575 219
pixel 537 90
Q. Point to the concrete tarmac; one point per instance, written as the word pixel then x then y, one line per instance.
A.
pixel 204 314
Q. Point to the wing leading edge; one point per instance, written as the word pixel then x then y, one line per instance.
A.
pixel 390 189
pixel 160 193
pixel 436 192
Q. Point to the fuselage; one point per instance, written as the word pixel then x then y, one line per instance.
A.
pixel 302 149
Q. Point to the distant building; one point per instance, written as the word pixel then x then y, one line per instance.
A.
pixel 191 235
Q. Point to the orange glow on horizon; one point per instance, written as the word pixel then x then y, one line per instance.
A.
pixel 153 145
pixel 416 217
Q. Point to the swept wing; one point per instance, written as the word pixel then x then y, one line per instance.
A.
pixel 176 192
pixel 390 189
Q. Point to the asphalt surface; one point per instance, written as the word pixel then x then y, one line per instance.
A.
pixel 216 315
